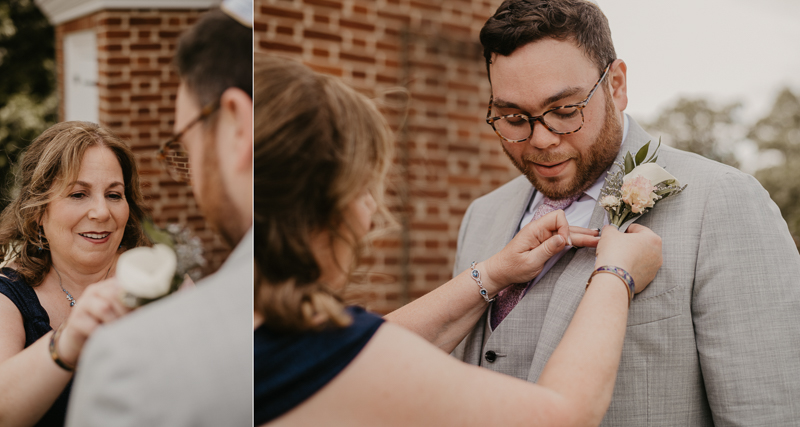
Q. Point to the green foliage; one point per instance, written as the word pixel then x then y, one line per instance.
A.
pixel 28 104
pixel 694 125
pixel 780 130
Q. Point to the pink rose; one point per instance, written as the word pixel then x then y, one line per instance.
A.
pixel 638 193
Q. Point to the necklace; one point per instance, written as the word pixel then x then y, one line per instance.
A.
pixel 70 298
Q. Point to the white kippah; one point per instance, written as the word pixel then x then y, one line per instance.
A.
pixel 240 10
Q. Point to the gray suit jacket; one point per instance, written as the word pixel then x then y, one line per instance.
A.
pixel 714 339
pixel 186 360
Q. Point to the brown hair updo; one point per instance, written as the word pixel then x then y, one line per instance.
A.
pixel 318 145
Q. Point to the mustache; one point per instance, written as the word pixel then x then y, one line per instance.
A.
pixel 548 157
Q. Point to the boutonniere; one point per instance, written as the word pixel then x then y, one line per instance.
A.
pixel 636 187
pixel 150 273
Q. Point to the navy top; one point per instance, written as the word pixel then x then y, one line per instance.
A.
pixel 37 324
pixel 291 367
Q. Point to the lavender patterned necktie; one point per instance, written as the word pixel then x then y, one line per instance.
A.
pixel 510 296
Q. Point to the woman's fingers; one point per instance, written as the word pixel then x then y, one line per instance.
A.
pixel 100 303
pixel 580 240
pixel 540 230
pixel 574 229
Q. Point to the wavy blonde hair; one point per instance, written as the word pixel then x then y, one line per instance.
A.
pixel 50 163
pixel 318 145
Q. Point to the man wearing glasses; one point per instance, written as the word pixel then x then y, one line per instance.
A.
pixel 186 360
pixel 713 340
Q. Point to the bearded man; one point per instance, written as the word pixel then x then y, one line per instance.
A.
pixel 713 340
pixel 186 360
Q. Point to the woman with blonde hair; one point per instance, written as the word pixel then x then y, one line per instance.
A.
pixel 79 207
pixel 322 152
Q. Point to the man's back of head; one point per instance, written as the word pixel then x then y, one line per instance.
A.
pixel 214 61
pixel 215 54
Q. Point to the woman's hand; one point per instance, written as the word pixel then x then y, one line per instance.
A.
pixel 638 251
pixel 525 255
pixel 100 303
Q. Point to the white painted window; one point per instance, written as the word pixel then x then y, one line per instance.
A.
pixel 81 96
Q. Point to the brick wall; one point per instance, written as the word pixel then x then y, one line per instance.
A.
pixel 137 85
pixel 447 154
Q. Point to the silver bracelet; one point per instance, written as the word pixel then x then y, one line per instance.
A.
pixel 476 276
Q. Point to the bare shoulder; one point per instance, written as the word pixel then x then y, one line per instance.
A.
pixel 12 332
pixel 401 379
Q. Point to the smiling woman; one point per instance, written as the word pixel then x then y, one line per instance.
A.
pixel 79 207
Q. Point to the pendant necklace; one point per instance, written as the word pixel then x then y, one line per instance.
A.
pixel 72 300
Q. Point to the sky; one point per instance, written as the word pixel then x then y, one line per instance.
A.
pixel 722 50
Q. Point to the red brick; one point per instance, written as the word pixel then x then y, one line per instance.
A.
pixel 324 3
pixel 403 18
pixel 110 21
pixel 274 11
pixel 145 21
pixel 151 73
pixel 145 98
pixel 145 46
pixel 354 57
pixel 356 24
pixel 321 35
pixel 116 34
pixel 463 180
pixel 280 47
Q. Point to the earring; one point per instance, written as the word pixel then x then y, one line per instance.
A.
pixel 40 240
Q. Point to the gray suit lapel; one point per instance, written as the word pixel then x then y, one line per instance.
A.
pixel 570 286
pixel 507 220
pixel 504 220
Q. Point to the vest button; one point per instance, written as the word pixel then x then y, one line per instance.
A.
pixel 490 356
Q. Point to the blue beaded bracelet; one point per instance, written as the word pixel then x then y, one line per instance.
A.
pixel 619 272
pixel 476 276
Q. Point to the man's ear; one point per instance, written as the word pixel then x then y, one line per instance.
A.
pixel 618 80
pixel 236 107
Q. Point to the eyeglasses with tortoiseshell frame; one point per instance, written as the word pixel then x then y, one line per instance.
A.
pixel 563 120
pixel 172 152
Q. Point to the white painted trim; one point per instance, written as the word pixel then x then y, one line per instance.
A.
pixel 60 11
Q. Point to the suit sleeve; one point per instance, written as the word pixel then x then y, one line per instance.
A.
pixel 746 307
pixel 462 231
pixel 105 391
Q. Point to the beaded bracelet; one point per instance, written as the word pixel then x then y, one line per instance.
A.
pixel 54 353
pixel 619 272
pixel 476 276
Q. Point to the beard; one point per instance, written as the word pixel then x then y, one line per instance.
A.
pixel 589 165
pixel 212 198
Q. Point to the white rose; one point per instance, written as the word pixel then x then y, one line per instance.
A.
pixel 147 272
pixel 652 171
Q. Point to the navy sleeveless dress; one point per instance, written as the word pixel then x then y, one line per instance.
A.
pixel 37 324
pixel 290 367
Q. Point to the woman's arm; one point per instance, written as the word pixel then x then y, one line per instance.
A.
pixel 583 367
pixel 400 379
pixel 31 380
pixel 445 315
